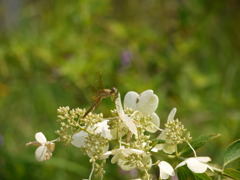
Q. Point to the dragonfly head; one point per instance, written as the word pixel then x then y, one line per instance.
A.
pixel 113 93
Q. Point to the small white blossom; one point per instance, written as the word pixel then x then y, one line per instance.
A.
pixel 45 148
pixel 197 164
pixel 146 103
pixel 79 139
pixel 166 170
pixel 102 128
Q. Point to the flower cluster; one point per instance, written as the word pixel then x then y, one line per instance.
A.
pixel 130 131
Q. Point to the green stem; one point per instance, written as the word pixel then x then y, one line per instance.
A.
pixel 195 155
pixel 156 127
pixel 148 176
pixel 90 176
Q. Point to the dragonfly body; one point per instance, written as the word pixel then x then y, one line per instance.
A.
pixel 101 94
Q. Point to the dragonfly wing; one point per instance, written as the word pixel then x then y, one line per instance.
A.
pixel 96 84
pixel 99 80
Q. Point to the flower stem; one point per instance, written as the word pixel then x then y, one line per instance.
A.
pixel 156 127
pixel 195 155
pixel 90 176
pixel 148 176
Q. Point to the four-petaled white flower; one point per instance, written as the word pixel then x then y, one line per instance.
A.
pixel 146 103
pixel 45 149
pixel 167 147
pixel 197 164
pixel 166 170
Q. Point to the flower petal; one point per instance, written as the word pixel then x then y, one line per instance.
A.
pixel 181 164
pixel 172 114
pixel 40 137
pixel 102 128
pixel 130 100
pixel 164 175
pixel 169 148
pixel 132 151
pixel 196 166
pixel 166 170
pixel 106 154
pixel 126 120
pixel 40 153
pixel 51 147
pixel 148 102
pixel 162 135
pixel 79 139
pixel 204 159
pixel 115 158
pixel 155 149
pixel 147 160
pixel 156 121
pixel 124 166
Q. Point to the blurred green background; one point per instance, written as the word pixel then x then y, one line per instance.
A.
pixel 186 51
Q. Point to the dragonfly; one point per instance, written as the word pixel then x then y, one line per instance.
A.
pixel 101 94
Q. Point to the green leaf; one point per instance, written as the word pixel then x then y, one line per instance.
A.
pixel 202 176
pixel 232 152
pixel 198 142
pixel 184 173
pixel 157 141
pixel 233 173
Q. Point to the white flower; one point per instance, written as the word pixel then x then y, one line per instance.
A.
pixel 146 103
pixel 103 129
pixel 197 164
pixel 45 149
pixel 99 128
pixel 79 139
pixel 167 147
pixel 124 117
pixel 121 153
pixel 166 170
